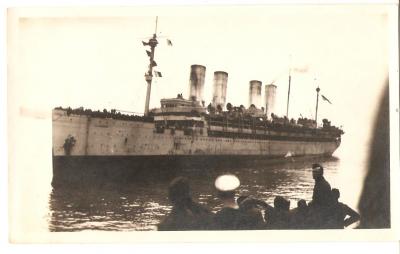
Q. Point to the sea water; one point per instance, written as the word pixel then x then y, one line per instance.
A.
pixel 142 202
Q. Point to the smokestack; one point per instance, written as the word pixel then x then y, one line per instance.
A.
pixel 270 93
pixel 255 93
pixel 196 83
pixel 220 84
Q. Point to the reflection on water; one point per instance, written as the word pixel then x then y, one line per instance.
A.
pixel 142 203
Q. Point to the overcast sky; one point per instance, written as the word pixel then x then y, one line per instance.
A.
pixel 98 60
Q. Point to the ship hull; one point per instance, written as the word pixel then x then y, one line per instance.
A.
pixel 107 148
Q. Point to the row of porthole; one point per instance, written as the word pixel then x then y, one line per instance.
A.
pixel 122 124
pixel 221 140
pixel 204 139
pixel 108 134
pixel 114 146
pixel 105 146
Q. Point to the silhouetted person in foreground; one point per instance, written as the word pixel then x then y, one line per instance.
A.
pixel 342 215
pixel 228 217
pixel 322 195
pixel 185 214
pixel 321 199
pixel 278 217
pixel 250 215
pixel 374 204
pixel 299 216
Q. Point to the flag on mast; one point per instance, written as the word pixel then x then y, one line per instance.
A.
pixel 157 74
pixel 169 42
pixel 326 99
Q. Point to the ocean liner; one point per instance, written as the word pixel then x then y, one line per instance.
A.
pixel 185 131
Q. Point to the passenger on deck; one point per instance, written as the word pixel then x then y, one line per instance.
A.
pixel 299 216
pixel 228 217
pixel 340 211
pixel 321 203
pixel 185 214
pixel 278 216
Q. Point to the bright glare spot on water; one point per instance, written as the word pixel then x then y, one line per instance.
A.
pixel 227 183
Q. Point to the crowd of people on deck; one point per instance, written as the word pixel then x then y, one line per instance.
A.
pixel 113 113
pixel 324 211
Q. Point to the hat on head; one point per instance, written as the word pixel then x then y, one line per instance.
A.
pixel 227 183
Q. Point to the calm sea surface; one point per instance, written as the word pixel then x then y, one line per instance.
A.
pixel 140 204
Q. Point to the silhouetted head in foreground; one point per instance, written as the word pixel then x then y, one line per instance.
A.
pixel 302 204
pixel 226 186
pixel 226 195
pixel 317 171
pixel 335 194
pixel 185 214
pixel 281 203
pixel 179 191
pixel 228 217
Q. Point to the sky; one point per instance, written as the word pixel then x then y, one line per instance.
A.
pixel 94 57
pixel 97 60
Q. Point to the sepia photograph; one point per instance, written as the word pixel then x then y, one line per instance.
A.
pixel 272 120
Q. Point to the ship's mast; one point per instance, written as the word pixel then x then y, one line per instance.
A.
pixel 149 74
pixel 316 106
pixel 288 94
